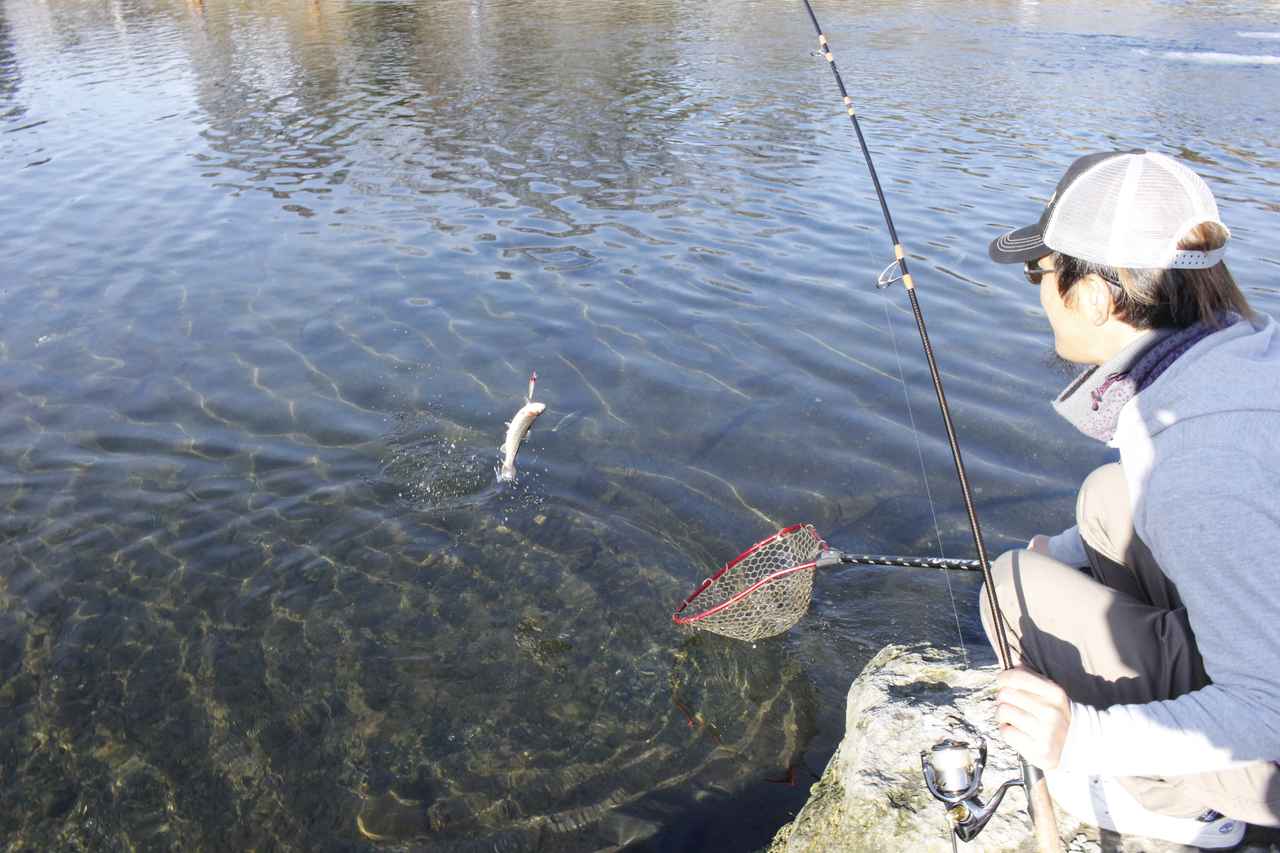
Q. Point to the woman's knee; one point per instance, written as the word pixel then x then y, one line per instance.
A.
pixel 1027 593
pixel 1005 567
pixel 1025 584
pixel 1103 513
pixel 1002 576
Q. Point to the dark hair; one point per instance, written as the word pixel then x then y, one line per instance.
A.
pixel 1165 298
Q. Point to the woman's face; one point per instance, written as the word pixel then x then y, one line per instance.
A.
pixel 1074 332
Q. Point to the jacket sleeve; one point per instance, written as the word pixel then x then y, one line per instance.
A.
pixel 1068 548
pixel 1212 520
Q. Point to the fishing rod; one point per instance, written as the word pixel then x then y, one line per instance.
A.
pixel 951 777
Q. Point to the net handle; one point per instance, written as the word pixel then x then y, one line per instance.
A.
pixel 948 563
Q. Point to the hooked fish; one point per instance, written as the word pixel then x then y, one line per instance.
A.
pixel 517 430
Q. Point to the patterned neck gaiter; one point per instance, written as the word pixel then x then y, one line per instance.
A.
pixel 1093 400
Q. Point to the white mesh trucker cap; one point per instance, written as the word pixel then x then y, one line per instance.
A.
pixel 1120 209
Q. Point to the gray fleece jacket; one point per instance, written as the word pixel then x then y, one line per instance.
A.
pixel 1200 449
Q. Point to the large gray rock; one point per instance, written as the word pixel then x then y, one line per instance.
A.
pixel 872 796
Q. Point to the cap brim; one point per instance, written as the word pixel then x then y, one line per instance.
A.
pixel 1016 247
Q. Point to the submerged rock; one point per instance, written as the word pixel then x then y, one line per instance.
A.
pixel 872 796
pixel 547 651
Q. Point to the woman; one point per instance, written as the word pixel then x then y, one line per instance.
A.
pixel 1148 634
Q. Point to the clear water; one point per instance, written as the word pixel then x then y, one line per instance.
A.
pixel 273 276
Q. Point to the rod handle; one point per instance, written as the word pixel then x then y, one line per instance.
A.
pixel 1042 815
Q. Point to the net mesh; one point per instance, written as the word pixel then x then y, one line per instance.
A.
pixel 763 592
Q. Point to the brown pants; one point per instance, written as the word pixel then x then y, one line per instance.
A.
pixel 1117 633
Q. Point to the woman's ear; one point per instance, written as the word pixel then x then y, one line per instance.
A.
pixel 1098 305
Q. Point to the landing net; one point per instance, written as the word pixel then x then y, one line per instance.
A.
pixel 762 592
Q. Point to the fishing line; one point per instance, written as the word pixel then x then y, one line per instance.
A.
pixel 924 476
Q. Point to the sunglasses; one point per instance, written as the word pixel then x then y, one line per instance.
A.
pixel 1034 273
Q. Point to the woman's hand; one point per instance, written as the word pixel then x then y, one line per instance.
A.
pixel 1039 543
pixel 1033 714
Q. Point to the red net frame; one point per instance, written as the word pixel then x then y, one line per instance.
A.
pixel 761 592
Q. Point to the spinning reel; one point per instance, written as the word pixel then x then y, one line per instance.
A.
pixel 953 774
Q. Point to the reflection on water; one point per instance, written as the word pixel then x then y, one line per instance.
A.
pixel 274 276
pixel 10 74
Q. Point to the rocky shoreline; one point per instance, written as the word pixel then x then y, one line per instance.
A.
pixel 872 797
